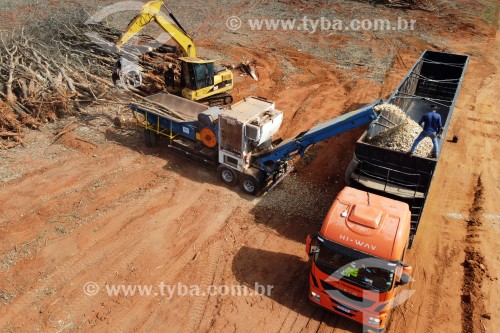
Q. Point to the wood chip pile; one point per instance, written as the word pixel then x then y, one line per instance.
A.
pixel 401 136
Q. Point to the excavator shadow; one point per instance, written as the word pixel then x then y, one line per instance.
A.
pixel 283 278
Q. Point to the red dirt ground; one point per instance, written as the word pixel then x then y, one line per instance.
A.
pixel 96 205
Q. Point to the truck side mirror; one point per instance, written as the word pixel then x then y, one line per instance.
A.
pixel 308 244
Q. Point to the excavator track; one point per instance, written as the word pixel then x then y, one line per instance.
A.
pixel 218 100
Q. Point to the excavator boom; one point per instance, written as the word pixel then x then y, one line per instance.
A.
pixel 152 12
pixel 199 80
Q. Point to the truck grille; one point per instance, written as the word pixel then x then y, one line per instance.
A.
pixel 342 309
pixel 360 301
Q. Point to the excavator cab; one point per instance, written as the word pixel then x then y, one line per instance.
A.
pixel 202 81
pixel 196 73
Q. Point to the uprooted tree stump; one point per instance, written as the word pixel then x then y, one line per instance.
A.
pixel 56 68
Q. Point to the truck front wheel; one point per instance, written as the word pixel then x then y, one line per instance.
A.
pixel 227 175
pixel 350 170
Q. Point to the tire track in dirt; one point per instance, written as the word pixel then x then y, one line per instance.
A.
pixel 79 264
pixel 128 238
pixel 327 323
pixel 484 121
pixel 473 305
pixel 297 320
pixel 312 323
pixel 138 244
pixel 184 256
pixel 64 271
pixel 485 134
pixel 77 212
pixel 77 305
pixel 446 256
pixel 42 218
pixel 200 303
pixel 52 184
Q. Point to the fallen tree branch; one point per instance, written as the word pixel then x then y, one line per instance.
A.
pixel 91 143
pixel 46 73
pixel 9 134
pixel 66 129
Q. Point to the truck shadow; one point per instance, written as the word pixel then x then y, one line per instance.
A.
pixel 288 276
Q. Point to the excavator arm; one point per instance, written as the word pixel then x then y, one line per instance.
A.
pixel 151 11
pixel 200 81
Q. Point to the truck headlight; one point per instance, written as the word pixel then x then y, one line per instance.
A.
pixel 315 296
pixel 374 321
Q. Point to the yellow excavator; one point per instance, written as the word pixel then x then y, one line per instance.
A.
pixel 200 79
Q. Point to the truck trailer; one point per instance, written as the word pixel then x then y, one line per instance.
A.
pixel 357 257
pixel 237 141
pixel 436 79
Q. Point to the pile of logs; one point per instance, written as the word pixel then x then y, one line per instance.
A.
pixel 54 73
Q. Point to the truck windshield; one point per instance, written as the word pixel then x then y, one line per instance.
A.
pixel 355 267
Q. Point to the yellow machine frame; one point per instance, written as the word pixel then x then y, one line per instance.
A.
pixel 151 11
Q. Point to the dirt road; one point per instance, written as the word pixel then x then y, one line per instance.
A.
pixel 459 285
pixel 98 207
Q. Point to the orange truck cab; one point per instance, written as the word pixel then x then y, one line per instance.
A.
pixel 357 257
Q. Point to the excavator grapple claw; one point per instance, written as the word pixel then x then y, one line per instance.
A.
pixel 126 73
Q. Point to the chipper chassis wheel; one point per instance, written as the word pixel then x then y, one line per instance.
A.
pixel 227 175
pixel 251 184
